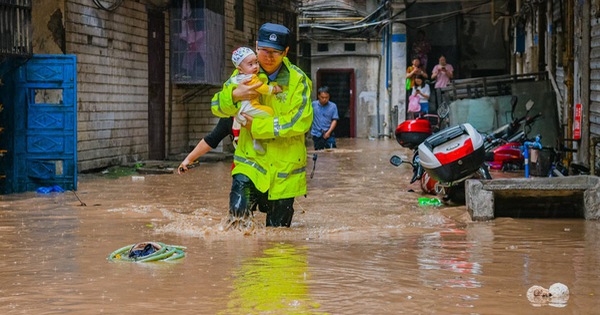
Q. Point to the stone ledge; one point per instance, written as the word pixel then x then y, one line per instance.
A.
pixel 573 196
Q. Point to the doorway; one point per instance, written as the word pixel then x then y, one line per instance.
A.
pixel 156 85
pixel 342 90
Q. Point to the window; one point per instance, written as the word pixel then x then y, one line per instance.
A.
pixel 239 15
pixel 322 47
pixel 350 47
pixel 15 28
pixel 197 32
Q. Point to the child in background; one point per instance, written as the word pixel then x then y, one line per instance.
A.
pixel 246 61
pixel 422 90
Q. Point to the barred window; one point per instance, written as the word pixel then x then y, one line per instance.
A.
pixel 15 28
pixel 197 33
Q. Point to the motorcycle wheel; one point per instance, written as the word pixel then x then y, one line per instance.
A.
pixel 428 184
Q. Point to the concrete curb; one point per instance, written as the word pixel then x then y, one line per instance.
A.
pixel 531 197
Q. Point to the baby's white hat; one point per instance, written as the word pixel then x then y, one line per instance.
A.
pixel 240 54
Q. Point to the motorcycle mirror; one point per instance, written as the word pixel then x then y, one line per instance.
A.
pixel 529 105
pixel 396 160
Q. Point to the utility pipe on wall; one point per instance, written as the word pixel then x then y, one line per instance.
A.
pixel 569 79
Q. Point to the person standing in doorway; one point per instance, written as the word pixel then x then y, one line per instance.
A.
pixel 324 121
pixel 272 180
pixel 442 73
pixel 413 71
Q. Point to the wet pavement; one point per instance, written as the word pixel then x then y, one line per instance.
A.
pixel 359 244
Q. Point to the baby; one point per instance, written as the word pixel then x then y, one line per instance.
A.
pixel 245 60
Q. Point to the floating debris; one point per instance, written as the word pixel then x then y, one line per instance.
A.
pixel 559 290
pixel 148 251
pixel 557 295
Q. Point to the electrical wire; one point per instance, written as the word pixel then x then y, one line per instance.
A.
pixel 375 21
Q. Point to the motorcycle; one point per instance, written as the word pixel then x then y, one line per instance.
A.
pixel 410 134
pixel 452 156
pixel 444 161
pixel 503 145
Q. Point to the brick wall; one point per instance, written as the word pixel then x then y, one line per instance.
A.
pixel 111 49
pixel 112 82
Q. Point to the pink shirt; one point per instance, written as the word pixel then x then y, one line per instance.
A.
pixel 442 79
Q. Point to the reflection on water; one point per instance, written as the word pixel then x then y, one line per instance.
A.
pixel 359 244
pixel 448 250
pixel 275 283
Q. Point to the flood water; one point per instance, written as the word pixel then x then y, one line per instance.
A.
pixel 359 244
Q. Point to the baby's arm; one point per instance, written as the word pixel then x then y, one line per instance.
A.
pixel 265 89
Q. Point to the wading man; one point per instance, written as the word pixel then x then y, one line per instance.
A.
pixel 325 120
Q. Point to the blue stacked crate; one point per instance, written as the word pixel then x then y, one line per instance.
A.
pixel 42 123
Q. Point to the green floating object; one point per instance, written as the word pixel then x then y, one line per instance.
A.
pixel 434 202
pixel 148 251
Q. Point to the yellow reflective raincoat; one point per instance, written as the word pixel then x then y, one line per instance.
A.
pixel 282 168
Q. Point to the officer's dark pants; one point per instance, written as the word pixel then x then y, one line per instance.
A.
pixel 245 198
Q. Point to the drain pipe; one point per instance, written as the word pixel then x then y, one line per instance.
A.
pixel 568 60
pixel 383 53
pixel 378 89
pixel 387 49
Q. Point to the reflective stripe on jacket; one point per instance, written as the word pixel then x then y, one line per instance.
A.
pixel 282 168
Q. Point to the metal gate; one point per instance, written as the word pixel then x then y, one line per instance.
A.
pixel 42 119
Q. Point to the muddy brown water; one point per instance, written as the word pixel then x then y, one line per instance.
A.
pixel 359 244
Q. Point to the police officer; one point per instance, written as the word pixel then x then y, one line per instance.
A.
pixel 272 180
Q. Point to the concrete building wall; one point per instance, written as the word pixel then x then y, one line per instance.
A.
pixel 398 80
pixel 594 78
pixel 48 29
pixel 366 64
pixel 582 80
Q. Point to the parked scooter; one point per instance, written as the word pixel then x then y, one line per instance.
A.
pixel 444 160
pixel 411 133
pixel 452 156
pixel 503 145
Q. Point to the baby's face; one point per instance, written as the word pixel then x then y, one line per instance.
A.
pixel 249 65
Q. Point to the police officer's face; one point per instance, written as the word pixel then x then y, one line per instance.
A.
pixel 323 98
pixel 270 59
